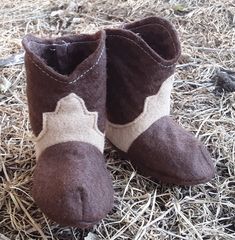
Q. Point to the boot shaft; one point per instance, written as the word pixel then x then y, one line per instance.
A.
pixel 141 56
pixel 58 67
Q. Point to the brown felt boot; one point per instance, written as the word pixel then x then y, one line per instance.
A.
pixel 141 65
pixel 66 90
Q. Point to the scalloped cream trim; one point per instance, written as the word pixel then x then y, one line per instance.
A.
pixel 71 121
pixel 155 107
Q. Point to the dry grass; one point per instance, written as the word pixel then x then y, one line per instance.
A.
pixel 143 209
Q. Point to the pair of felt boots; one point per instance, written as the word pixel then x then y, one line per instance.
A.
pixel 73 103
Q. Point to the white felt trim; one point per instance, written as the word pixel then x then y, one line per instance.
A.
pixel 155 107
pixel 71 121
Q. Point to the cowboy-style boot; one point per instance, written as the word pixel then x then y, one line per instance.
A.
pixel 66 90
pixel 141 64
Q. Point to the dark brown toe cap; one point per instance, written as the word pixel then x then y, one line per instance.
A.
pixel 72 185
pixel 168 153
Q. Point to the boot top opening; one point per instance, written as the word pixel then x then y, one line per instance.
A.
pixel 62 54
pixel 159 34
pixel 159 39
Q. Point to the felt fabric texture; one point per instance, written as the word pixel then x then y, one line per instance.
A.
pixel 155 107
pixel 135 69
pixel 72 185
pixel 46 85
pixel 168 153
pixel 66 91
pixel 71 121
pixel 141 57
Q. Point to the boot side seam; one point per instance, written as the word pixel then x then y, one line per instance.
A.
pixel 134 43
pixel 73 81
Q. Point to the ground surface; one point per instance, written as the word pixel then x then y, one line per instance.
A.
pixel 143 209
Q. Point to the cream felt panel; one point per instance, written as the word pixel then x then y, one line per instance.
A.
pixel 71 121
pixel 155 107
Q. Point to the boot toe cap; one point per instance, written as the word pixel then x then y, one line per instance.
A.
pixel 168 153
pixel 72 185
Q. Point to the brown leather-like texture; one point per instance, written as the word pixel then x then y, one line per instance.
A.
pixel 72 185
pixel 168 153
pixel 57 67
pixel 140 57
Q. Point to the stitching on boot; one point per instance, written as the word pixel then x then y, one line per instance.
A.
pixel 97 138
pixel 133 42
pixel 75 80
pixel 123 135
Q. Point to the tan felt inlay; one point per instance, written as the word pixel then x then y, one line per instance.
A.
pixel 71 121
pixel 155 107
